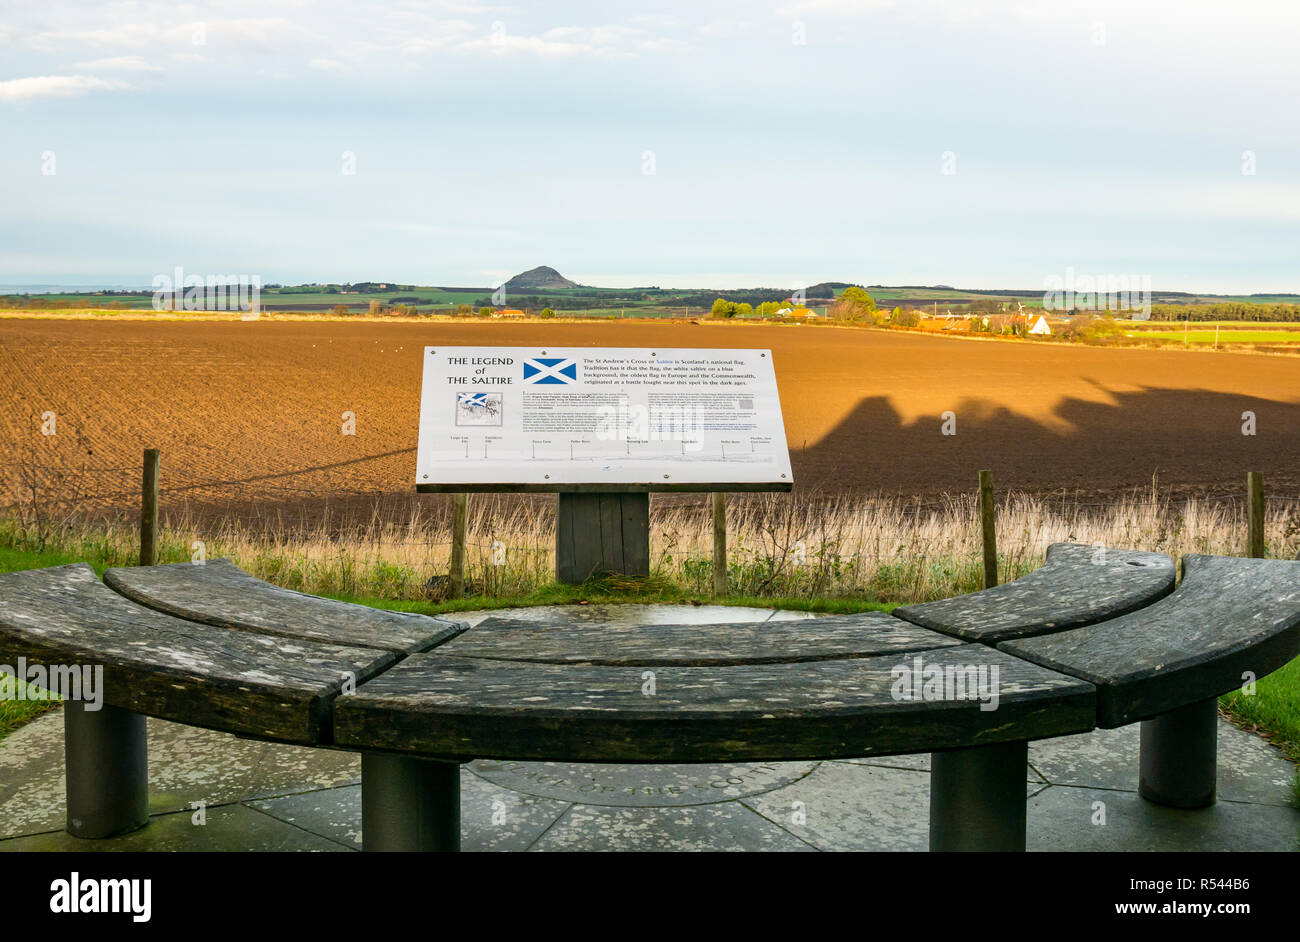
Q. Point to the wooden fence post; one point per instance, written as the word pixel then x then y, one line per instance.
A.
pixel 459 529
pixel 719 543
pixel 987 526
pixel 149 509
pixel 1255 514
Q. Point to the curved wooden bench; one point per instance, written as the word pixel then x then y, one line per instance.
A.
pixel 217 592
pixel 1229 617
pixel 280 689
pixel 455 707
pixel 269 679
pixel 1077 585
pixel 513 690
pixel 1229 621
pixel 519 691
pixel 821 688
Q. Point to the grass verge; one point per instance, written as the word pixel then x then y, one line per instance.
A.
pixel 1273 711
pixel 19 711
pixel 647 591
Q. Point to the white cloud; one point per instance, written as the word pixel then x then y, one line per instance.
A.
pixel 506 43
pixel 260 33
pixel 432 37
pixel 125 35
pixel 120 64
pixel 657 21
pixel 54 86
pixel 723 29
pixel 605 41
pixel 132 36
pixel 832 7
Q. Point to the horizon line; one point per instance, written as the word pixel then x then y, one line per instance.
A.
pixel 88 287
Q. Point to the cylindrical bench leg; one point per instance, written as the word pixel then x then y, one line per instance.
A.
pixel 1179 756
pixel 409 804
pixel 107 764
pixel 977 798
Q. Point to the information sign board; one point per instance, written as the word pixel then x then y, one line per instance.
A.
pixel 616 418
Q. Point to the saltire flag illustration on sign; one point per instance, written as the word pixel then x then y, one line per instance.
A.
pixel 473 399
pixel 550 371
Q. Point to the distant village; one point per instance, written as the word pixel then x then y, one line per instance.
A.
pixel 1019 322
pixel 856 306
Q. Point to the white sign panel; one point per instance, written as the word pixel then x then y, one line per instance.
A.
pixel 600 415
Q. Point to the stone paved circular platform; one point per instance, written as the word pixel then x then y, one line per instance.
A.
pixel 641 786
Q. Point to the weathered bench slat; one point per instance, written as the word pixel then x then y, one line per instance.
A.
pixel 437 705
pixel 234 681
pixel 218 592
pixel 1077 585
pixel 771 642
pixel 1228 616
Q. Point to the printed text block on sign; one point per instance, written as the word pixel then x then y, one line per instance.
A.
pixel 600 418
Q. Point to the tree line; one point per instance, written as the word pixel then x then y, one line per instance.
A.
pixel 1226 311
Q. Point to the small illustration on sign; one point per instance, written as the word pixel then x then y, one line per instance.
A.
pixel 478 409
pixel 550 371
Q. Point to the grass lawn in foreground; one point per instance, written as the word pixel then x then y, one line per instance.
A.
pixel 1273 711
pixel 20 711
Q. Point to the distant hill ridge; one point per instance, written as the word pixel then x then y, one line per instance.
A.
pixel 543 276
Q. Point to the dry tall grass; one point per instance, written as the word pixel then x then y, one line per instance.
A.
pixel 884 549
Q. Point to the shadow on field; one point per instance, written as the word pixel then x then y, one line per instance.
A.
pixel 1192 440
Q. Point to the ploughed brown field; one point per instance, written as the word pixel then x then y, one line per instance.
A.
pixel 251 411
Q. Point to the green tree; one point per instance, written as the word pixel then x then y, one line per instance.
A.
pixel 724 308
pixel 547 312
pixel 854 305
pixel 485 312
pixel 744 310
pixel 855 295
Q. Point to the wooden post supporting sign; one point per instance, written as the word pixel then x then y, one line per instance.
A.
pixel 459 531
pixel 601 533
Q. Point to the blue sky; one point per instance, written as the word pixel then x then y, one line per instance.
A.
pixel 790 142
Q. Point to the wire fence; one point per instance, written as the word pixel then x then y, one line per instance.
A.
pixel 313 529
pixel 258 486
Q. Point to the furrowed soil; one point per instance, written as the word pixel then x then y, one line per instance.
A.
pixel 250 413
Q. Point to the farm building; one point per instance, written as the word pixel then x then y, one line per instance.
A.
pixel 1041 327
pixel 509 312
pixel 948 324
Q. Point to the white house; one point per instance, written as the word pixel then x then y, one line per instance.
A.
pixel 1040 326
